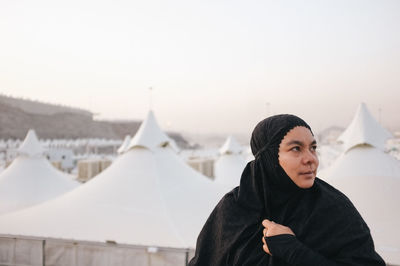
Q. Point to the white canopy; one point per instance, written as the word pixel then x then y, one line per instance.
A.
pixel 371 179
pixel 125 144
pixel 231 146
pixel 150 135
pixel 31 179
pixel 148 196
pixel 364 129
pixel 229 166
pixel 31 146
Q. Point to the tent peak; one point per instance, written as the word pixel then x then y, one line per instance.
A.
pixel 124 144
pixel 231 146
pixel 364 129
pixel 31 146
pixel 150 135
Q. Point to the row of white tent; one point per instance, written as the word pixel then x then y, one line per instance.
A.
pixel 67 143
pixel 149 196
pixel 31 179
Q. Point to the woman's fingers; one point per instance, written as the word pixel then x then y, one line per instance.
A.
pixel 267 223
pixel 265 248
pixel 273 229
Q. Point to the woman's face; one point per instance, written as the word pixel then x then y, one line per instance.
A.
pixel 298 156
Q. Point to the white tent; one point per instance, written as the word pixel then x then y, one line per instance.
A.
pixel 364 129
pixel 31 179
pixel 124 145
pixel 151 136
pixel 231 146
pixel 148 196
pixel 371 179
pixel 230 164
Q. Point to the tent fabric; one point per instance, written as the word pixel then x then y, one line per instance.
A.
pixel 125 144
pixel 113 206
pixel 231 146
pixel 230 164
pixel 31 179
pixel 364 129
pixel 371 179
pixel 31 146
pixel 149 135
pixel 228 169
pixel 148 196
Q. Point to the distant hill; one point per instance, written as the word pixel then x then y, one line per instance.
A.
pixel 36 107
pixel 51 121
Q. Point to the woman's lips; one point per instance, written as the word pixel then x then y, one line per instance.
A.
pixel 308 173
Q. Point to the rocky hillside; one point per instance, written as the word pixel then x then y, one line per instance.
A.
pixel 60 122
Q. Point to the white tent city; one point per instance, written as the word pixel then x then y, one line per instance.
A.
pixel 149 196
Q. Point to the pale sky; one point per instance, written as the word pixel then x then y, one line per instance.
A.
pixel 216 66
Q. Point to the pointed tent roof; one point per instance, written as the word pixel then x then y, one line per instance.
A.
pixel 124 144
pixel 229 166
pixel 31 146
pixel 364 129
pixel 230 146
pixel 31 179
pixel 377 173
pixel 143 189
pixel 150 134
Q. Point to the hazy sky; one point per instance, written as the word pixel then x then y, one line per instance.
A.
pixel 215 66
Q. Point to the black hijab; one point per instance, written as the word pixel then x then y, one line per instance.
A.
pixel 328 229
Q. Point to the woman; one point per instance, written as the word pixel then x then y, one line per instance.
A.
pixel 282 214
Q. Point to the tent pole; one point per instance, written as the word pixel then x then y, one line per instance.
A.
pixel 44 252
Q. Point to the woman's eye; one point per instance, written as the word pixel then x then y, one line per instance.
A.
pixel 314 148
pixel 297 148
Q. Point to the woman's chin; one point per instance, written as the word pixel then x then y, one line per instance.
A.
pixel 307 183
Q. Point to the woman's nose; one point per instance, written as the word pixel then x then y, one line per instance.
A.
pixel 309 157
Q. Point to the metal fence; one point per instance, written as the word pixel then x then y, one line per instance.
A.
pixel 33 251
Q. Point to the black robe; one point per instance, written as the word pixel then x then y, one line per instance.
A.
pixel 328 228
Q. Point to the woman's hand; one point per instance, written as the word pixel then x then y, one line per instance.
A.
pixel 273 229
